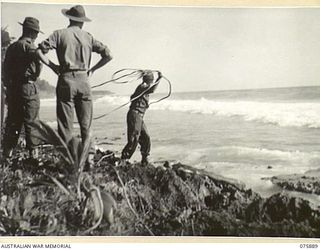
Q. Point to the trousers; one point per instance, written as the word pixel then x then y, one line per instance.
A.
pixel 23 110
pixel 137 133
pixel 74 93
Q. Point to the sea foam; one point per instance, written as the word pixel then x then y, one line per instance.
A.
pixel 284 114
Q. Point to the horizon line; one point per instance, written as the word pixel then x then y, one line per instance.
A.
pixel 220 90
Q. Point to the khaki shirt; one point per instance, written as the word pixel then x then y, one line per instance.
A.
pixel 73 47
pixel 21 63
pixel 141 104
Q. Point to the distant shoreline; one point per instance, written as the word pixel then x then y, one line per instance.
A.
pixel 246 89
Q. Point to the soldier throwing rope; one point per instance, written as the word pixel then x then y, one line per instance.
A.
pixel 136 128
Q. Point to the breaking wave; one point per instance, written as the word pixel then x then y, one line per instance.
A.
pixel 272 154
pixel 254 154
pixel 294 114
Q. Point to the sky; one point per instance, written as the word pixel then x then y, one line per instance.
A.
pixel 196 48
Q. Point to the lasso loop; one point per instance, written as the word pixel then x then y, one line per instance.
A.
pixel 133 75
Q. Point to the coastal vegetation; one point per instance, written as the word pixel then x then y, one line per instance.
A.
pixel 45 89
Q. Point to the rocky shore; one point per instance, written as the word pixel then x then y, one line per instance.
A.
pixel 162 199
pixel 308 182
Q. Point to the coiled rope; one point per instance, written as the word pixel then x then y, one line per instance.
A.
pixel 136 74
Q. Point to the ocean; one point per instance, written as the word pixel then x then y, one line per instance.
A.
pixel 241 134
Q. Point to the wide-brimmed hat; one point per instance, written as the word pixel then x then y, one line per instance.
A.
pixel 76 13
pixel 31 23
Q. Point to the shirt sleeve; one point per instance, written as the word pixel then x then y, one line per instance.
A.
pixel 49 43
pixel 100 48
pixel 6 67
pixel 152 89
pixel 30 50
pixel 140 89
pixel 137 92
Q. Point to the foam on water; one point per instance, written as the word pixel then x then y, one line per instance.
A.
pixel 241 157
pixel 112 99
pixel 273 154
pixel 300 114
pixel 282 114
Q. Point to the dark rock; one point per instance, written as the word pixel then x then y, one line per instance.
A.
pixel 300 183
pixel 167 164
pixel 280 206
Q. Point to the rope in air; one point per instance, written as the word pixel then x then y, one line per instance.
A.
pixel 137 74
pixel 114 79
pixel 169 92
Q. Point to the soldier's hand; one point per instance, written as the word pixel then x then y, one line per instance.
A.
pixel 159 76
pixel 144 85
pixel 55 68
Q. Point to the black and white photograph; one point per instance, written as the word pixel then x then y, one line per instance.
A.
pixel 155 120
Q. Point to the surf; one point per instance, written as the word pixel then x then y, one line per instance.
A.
pixel 283 114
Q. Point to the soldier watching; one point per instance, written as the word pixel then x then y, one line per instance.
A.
pixel 20 71
pixel 74 47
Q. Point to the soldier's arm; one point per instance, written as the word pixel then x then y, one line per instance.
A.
pixel 43 58
pixel 138 91
pixel 48 44
pixel 30 49
pixel 155 84
pixel 104 52
pixel 145 89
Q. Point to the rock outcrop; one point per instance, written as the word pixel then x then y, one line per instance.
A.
pixel 158 199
